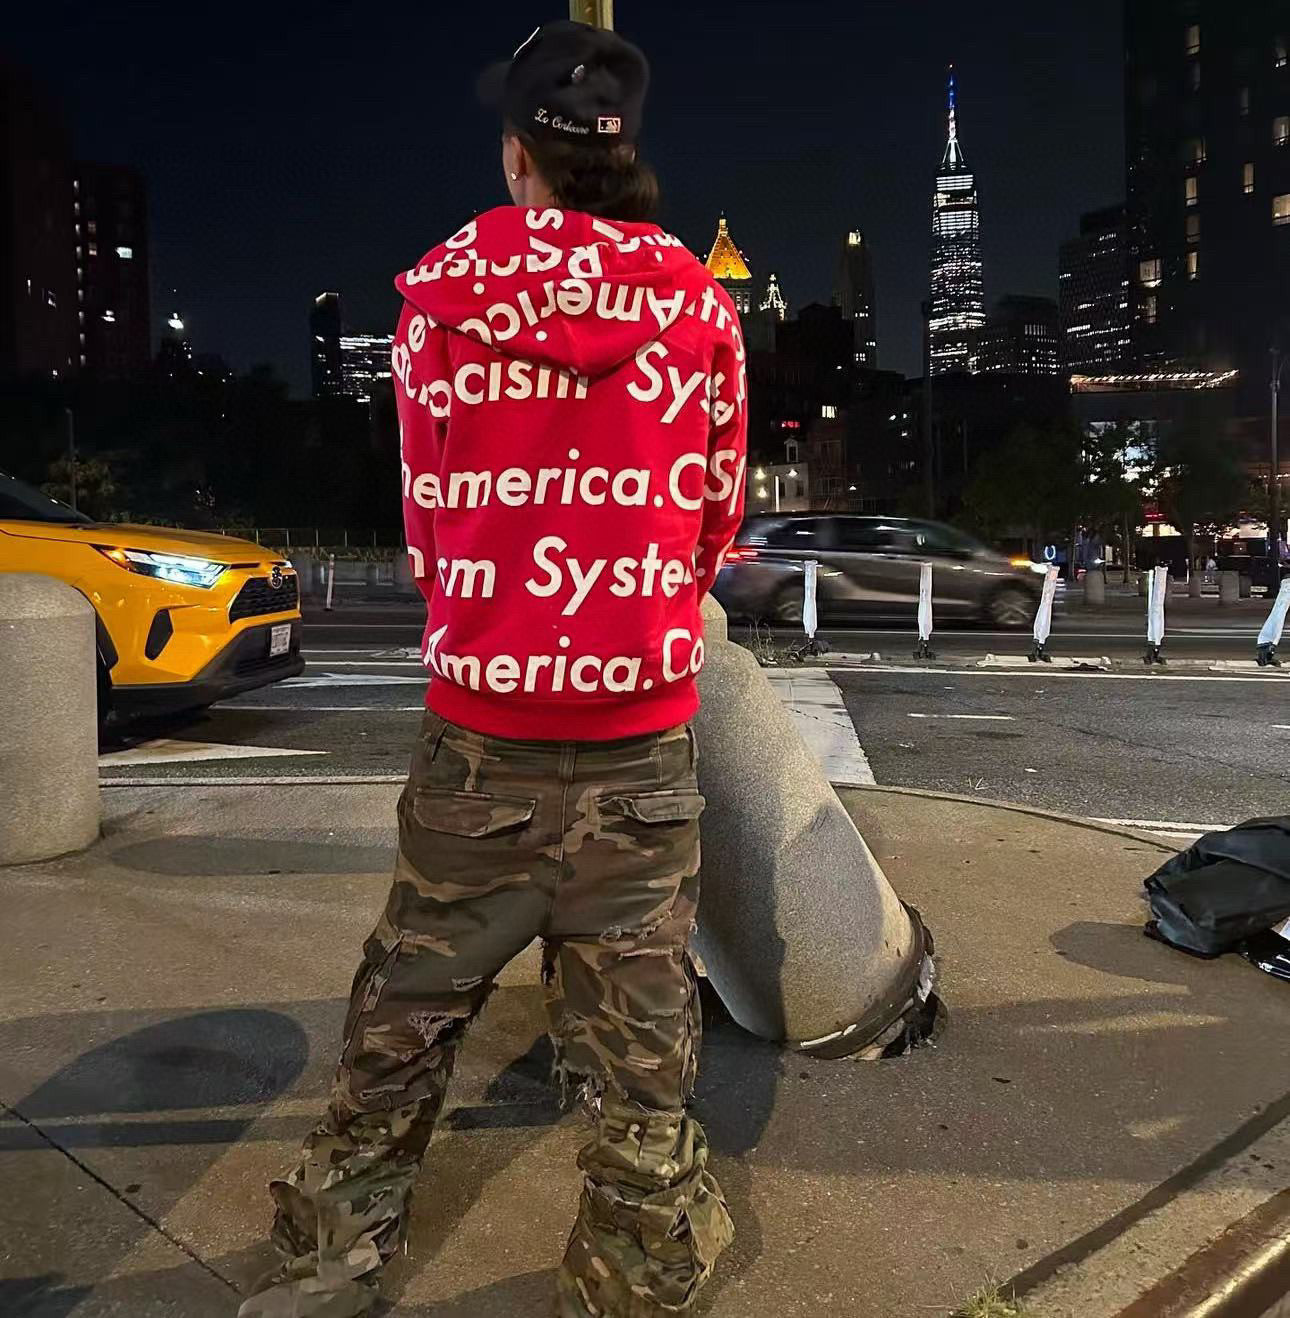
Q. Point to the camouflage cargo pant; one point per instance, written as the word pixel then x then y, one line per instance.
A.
pixel 594 847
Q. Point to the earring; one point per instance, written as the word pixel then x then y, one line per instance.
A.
pixel 515 178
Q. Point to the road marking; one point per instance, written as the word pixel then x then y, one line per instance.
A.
pixel 820 714
pixel 164 750
pixel 356 663
pixel 1167 826
pixel 330 709
pixel 1055 674
pixel 352 679
pixel 1282 727
pixel 284 780
pixel 974 718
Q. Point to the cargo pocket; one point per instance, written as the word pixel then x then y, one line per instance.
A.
pixel 653 807
pixel 373 975
pixel 470 814
pixel 683 1232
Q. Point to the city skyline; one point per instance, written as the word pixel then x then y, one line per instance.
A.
pixel 822 124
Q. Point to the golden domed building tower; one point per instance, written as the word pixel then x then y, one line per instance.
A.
pixel 727 266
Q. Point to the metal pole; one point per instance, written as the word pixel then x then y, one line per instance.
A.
pixel 1274 492
pixel 71 453
pixel 599 13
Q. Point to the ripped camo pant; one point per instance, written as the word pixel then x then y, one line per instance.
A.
pixel 594 847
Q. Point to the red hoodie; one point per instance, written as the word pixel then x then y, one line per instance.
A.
pixel 571 397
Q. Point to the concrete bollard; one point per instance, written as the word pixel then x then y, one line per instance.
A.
pixel 371 575
pixel 1246 585
pixel 1229 587
pixel 305 573
pixel 1095 586
pixel 49 754
pixel 800 933
pixel 1193 584
pixel 404 582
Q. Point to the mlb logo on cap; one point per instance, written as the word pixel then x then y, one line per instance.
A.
pixel 609 123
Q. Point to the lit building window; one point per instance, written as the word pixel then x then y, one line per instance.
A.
pixel 1196 151
pixel 1281 129
pixel 1191 190
pixel 93 249
pixel 1193 228
pixel 1281 209
pixel 1149 309
pixel 110 316
pixel 1282 54
pixel 91 226
pixel 51 299
pixel 829 412
pixel 1191 39
pixel 1247 178
pixel 1243 101
pixel 1149 272
pixel 125 253
pixel 1193 264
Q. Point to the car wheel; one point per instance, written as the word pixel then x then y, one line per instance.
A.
pixel 788 605
pixel 1011 609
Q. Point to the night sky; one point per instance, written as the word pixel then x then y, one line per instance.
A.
pixel 290 148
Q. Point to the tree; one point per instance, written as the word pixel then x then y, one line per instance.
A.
pixel 1199 482
pixel 97 492
pixel 1030 483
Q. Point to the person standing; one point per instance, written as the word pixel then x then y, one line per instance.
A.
pixel 571 394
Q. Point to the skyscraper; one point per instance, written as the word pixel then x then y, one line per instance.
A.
pixel 1207 120
pixel 773 301
pixel 853 295
pixel 1022 336
pixel 324 345
pixel 956 309
pixel 727 266
pixel 1093 291
pixel 364 362
pixel 37 257
pixel 113 311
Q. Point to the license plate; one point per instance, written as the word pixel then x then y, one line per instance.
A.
pixel 279 639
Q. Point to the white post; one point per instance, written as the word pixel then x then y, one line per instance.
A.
pixel 1270 636
pixel 1044 616
pixel 924 650
pixel 810 616
pixel 331 579
pixel 1157 589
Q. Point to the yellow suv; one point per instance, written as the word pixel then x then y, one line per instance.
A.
pixel 184 618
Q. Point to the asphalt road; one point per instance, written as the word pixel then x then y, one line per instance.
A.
pixel 1194 629
pixel 1185 748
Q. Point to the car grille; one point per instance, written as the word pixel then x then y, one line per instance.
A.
pixel 254 665
pixel 258 597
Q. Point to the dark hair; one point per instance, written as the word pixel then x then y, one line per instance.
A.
pixel 609 181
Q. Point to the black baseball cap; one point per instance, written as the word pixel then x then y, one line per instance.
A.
pixel 571 82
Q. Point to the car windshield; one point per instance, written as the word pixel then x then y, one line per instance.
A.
pixel 20 502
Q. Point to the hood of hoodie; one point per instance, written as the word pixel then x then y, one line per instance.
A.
pixel 559 287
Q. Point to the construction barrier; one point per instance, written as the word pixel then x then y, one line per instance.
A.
pixel 924 650
pixel 1044 618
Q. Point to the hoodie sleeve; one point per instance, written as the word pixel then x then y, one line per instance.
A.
pixel 723 509
pixel 419 357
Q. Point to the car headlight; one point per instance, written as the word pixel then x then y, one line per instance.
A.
pixel 177 568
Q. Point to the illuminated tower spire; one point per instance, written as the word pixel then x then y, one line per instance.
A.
pixel 956 309
pixel 953 152
pixel 727 266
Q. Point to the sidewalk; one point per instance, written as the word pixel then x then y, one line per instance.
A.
pixel 171 1008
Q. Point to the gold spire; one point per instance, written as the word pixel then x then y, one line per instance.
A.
pixel 725 261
